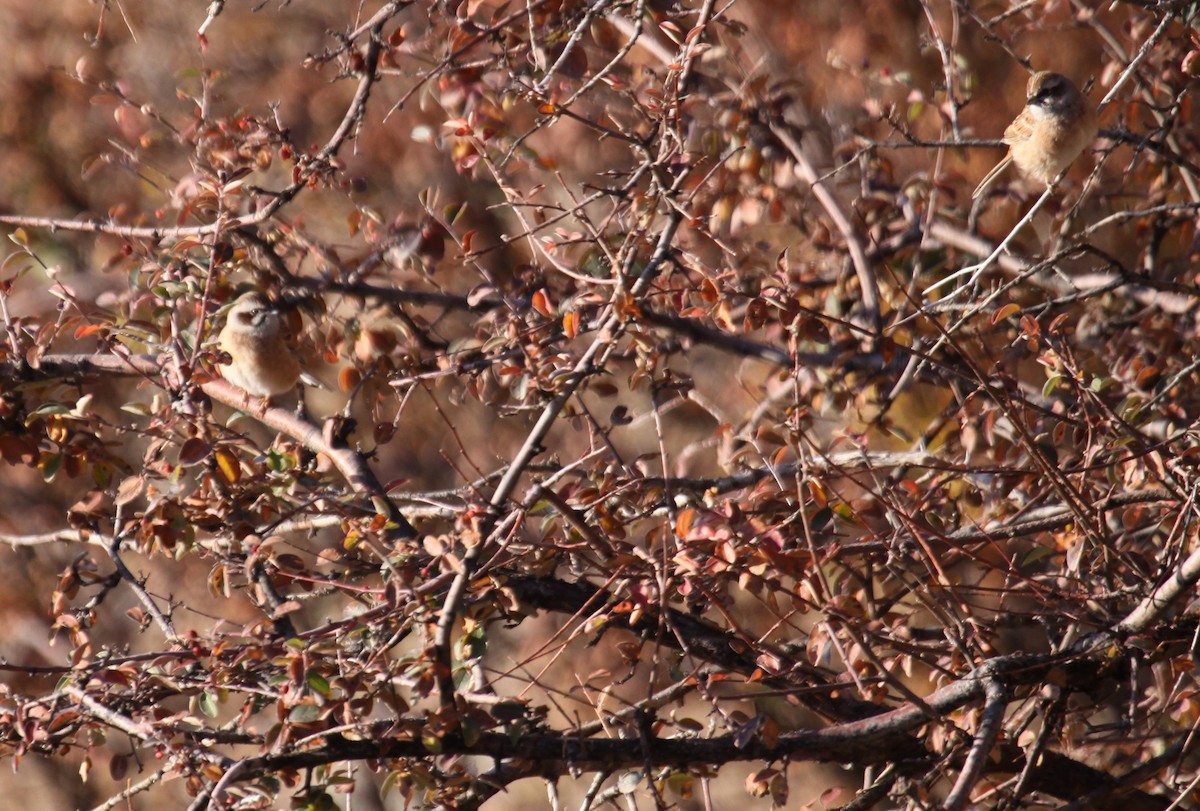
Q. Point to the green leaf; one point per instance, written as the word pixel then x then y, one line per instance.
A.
pixel 474 644
pixel 318 802
pixel 1036 554
pixel 820 519
pixel 319 684
pixel 50 465
pixel 47 410
pixel 471 732
pixel 304 714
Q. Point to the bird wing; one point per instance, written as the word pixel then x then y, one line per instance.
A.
pixel 1021 129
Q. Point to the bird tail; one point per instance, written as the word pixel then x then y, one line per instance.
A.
pixel 990 176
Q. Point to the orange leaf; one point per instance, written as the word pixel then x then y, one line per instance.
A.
pixel 1005 312
pixel 683 522
pixel 541 303
pixel 348 378
pixel 228 465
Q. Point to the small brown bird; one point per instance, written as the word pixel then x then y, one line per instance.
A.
pixel 264 360
pixel 1055 125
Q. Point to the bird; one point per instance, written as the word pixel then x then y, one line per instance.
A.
pixel 1055 125
pixel 263 360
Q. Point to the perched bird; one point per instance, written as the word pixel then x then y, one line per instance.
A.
pixel 264 361
pixel 1055 125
